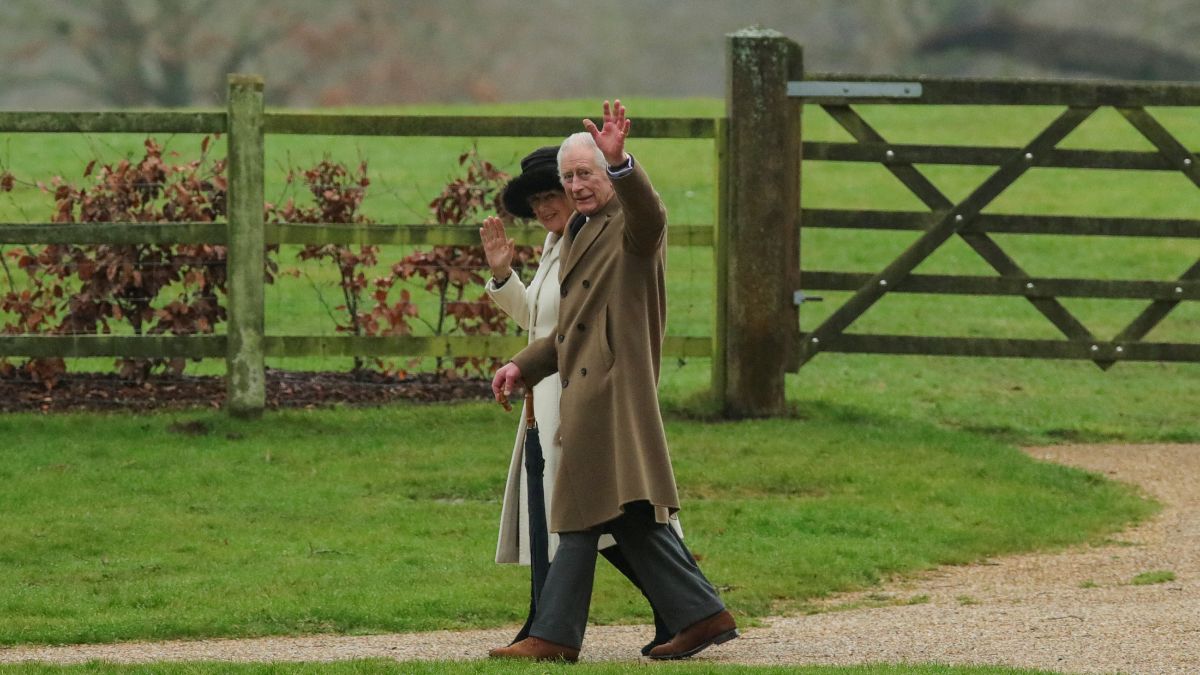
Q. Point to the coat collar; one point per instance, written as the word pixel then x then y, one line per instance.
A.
pixel 552 245
pixel 588 235
pixel 551 251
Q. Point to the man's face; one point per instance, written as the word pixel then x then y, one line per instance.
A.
pixel 551 208
pixel 587 183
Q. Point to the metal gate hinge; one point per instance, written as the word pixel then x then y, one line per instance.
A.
pixel 799 298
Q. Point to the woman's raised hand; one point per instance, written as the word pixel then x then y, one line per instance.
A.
pixel 497 247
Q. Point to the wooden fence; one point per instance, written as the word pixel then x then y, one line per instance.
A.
pixel 758 149
pixel 762 282
pixel 946 219
pixel 245 234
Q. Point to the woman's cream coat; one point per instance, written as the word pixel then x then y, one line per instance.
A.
pixel 535 309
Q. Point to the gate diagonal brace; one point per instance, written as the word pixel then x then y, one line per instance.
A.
pixel 980 242
pixel 1178 155
pixel 953 218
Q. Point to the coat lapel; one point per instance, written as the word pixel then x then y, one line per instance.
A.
pixel 550 253
pixel 588 236
pixel 551 249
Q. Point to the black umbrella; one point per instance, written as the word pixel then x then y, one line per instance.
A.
pixel 539 537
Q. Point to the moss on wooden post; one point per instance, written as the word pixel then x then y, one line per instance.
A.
pixel 720 367
pixel 245 380
pixel 762 222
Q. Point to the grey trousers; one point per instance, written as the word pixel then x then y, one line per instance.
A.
pixel 669 574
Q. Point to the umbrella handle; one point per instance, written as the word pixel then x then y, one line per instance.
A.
pixel 530 422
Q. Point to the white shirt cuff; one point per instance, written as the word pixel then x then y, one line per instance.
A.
pixel 621 171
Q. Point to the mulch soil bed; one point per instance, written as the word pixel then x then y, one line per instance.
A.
pixel 285 389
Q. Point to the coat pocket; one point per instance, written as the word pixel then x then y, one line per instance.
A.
pixel 606 352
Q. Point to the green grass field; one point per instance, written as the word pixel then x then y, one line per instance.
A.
pixel 352 521
pixel 366 520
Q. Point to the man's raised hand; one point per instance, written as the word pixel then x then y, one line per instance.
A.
pixel 611 139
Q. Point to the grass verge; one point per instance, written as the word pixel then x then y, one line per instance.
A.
pixel 375 520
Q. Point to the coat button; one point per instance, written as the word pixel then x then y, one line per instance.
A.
pixel 562 337
pixel 587 284
pixel 583 371
pixel 580 326
pixel 565 381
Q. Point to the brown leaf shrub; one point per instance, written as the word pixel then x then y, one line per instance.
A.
pixel 157 289
pixel 450 271
pixel 337 195
pixel 153 288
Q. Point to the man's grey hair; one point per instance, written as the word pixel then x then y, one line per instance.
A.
pixel 581 139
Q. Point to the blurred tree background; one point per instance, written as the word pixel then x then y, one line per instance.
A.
pixel 167 53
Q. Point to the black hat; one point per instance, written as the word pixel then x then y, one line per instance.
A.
pixel 539 173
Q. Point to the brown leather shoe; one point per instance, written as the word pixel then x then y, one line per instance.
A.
pixel 536 649
pixel 714 630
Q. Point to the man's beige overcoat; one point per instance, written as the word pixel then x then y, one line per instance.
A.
pixel 611 320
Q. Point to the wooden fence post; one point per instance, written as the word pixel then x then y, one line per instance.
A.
pixel 761 223
pixel 245 379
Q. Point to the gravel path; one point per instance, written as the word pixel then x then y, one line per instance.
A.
pixel 1072 611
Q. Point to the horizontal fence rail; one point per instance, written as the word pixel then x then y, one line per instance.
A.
pixel 317 124
pixel 457 235
pixel 114 233
pixel 1032 287
pixel 114 122
pixel 975 91
pixel 1108 352
pixel 130 346
pixel 963 155
pixel 284 346
pixel 467 126
pixel 998 223
pixel 295 233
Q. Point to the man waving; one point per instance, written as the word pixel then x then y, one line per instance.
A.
pixel 615 473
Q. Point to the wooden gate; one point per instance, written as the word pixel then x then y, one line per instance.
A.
pixel 946 219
